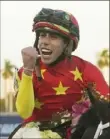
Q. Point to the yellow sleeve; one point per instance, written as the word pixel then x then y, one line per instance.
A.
pixel 25 96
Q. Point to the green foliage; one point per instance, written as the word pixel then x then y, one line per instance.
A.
pixel 103 58
pixel 2 103
pixel 7 71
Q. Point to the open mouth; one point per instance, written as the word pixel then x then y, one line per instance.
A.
pixel 46 52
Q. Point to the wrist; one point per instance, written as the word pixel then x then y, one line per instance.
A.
pixel 28 71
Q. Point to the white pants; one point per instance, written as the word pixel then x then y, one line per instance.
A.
pixel 31 130
pixel 27 132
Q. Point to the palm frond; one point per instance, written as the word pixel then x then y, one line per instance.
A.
pixel 103 58
pixel 8 70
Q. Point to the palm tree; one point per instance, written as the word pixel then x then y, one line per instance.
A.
pixel 7 74
pixel 103 62
pixel 103 59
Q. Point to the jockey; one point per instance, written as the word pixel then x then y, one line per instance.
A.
pixel 52 80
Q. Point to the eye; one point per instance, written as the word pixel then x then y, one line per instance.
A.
pixel 42 34
pixel 54 36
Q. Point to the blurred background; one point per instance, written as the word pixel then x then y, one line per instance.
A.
pixel 16 33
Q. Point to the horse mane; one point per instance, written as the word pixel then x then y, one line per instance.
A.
pixel 89 118
pixel 101 106
pixel 99 111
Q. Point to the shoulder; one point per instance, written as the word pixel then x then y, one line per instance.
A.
pixel 93 73
pixel 78 61
pixel 89 69
pixel 77 58
pixel 87 64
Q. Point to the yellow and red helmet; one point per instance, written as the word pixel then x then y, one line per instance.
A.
pixel 57 21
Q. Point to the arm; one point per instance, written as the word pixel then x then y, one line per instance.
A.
pixel 25 95
pixel 93 74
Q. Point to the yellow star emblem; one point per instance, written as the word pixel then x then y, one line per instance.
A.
pixel 60 90
pixel 77 74
pixel 42 72
pixel 38 104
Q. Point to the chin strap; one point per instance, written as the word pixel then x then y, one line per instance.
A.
pixel 100 129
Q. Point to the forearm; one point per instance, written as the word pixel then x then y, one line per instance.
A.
pixel 25 97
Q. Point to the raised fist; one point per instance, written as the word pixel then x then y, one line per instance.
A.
pixel 29 56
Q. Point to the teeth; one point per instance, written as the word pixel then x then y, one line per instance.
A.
pixel 45 50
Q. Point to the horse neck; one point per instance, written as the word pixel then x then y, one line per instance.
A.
pixel 103 111
pixel 105 120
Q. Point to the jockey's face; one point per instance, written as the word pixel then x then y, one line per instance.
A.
pixel 50 46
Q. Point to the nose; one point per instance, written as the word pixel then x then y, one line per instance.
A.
pixel 46 39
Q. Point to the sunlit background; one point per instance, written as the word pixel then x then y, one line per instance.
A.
pixel 16 33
